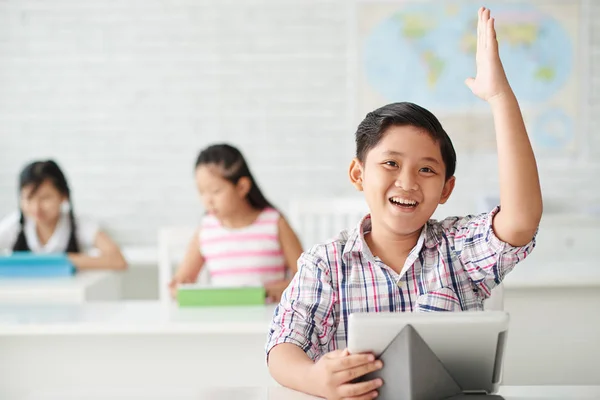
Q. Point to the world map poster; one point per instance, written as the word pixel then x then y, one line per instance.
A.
pixel 422 52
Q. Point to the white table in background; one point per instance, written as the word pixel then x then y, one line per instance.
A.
pixel 279 393
pixel 82 287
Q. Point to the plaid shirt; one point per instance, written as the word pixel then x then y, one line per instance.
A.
pixel 454 266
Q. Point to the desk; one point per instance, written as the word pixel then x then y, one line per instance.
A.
pixel 146 344
pixel 131 318
pixel 81 287
pixel 279 393
pixel 130 345
pixel 553 302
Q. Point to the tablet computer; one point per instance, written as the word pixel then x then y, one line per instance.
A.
pixel 199 295
pixel 470 345
pixel 25 264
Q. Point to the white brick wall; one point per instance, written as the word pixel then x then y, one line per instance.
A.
pixel 124 93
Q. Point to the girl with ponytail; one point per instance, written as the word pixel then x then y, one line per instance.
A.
pixel 242 239
pixel 46 222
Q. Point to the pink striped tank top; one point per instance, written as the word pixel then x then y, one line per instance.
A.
pixel 248 256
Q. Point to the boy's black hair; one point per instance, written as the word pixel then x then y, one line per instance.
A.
pixel 373 127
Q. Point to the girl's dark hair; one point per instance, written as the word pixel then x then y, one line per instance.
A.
pixel 372 128
pixel 234 167
pixel 35 174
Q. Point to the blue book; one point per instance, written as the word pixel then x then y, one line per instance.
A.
pixel 25 264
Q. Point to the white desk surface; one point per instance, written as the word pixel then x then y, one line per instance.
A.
pixel 79 280
pixel 131 317
pixel 53 289
pixel 279 393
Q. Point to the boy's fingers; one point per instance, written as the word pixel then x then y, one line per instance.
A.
pixel 351 374
pixel 361 390
pixel 351 361
pixel 334 354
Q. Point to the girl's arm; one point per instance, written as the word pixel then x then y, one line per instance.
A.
pixel 110 255
pixel 191 265
pixel 290 245
pixel 292 249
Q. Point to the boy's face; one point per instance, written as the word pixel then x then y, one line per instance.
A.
pixel 404 179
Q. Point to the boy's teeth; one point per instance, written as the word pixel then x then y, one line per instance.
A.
pixel 404 201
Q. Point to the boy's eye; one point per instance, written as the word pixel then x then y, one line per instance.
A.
pixel 427 170
pixel 391 163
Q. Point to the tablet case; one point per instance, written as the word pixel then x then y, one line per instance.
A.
pixel 412 371
pixel 25 264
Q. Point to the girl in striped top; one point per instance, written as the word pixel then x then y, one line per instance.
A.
pixel 242 239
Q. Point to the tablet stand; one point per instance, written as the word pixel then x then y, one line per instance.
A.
pixel 412 371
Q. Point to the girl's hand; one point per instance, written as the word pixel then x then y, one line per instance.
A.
pixel 275 290
pixel 176 281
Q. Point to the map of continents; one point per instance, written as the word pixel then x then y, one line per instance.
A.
pixel 422 52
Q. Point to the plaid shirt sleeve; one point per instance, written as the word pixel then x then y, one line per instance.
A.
pixel 485 258
pixel 305 316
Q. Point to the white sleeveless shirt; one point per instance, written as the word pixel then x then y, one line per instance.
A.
pixel 248 256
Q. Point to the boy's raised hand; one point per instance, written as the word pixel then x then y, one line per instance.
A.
pixel 490 81
pixel 334 372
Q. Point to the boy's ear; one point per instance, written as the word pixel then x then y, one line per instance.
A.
pixel 356 174
pixel 448 188
pixel 243 186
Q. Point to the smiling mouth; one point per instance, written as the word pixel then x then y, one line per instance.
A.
pixel 403 203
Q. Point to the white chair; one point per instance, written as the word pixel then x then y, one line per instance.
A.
pixel 316 220
pixel 496 300
pixel 172 244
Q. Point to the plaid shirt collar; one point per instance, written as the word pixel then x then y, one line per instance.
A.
pixel 429 238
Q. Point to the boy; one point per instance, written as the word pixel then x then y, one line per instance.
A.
pixel 397 259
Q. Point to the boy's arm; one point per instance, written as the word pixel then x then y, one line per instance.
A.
pixel 305 317
pixel 290 366
pixel 300 354
pixel 520 192
pixel 330 377
pixel 485 257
